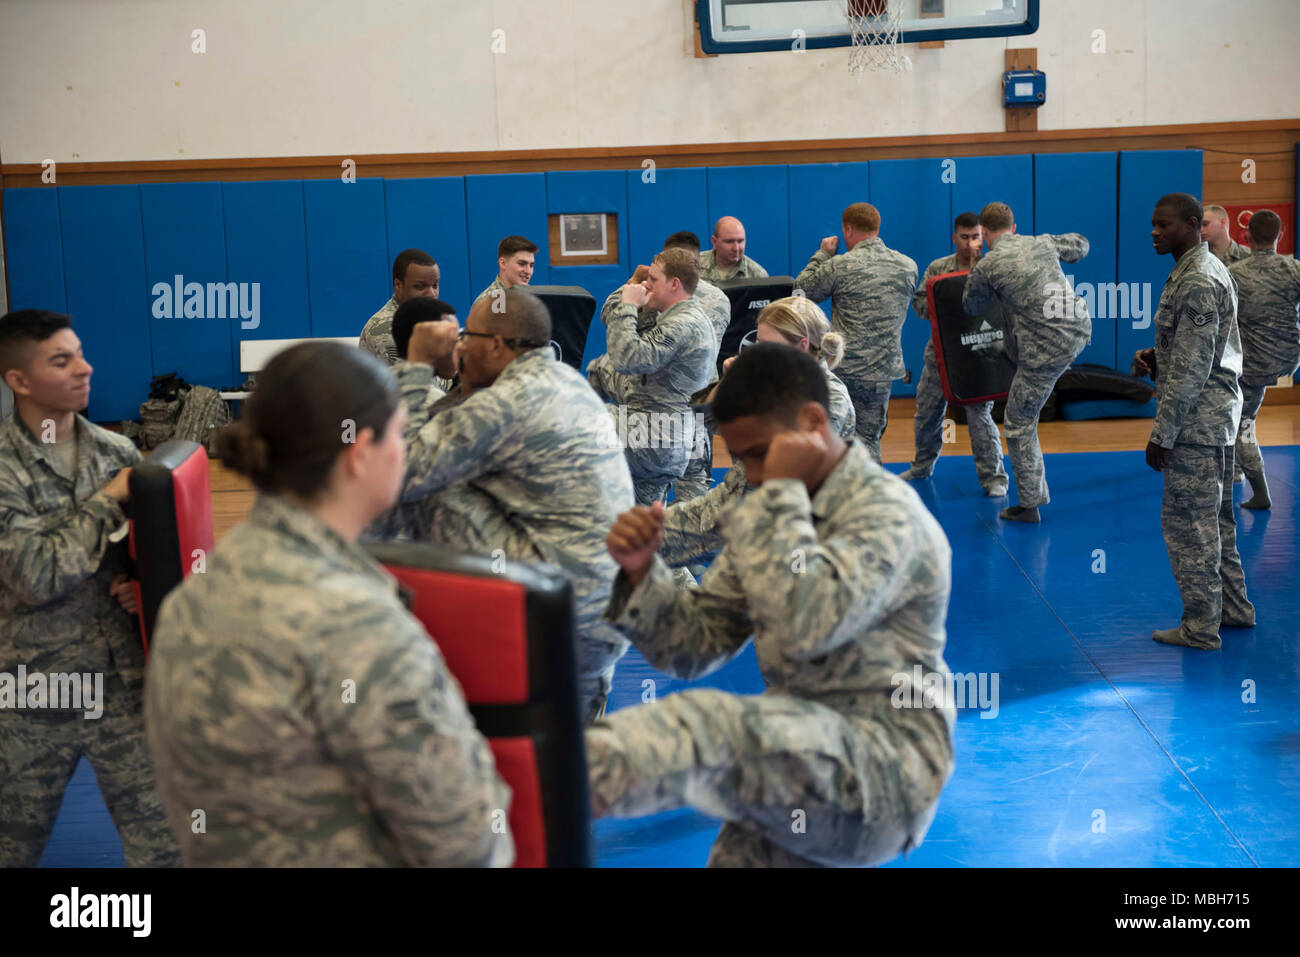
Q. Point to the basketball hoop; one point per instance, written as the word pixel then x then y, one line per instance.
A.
pixel 873 25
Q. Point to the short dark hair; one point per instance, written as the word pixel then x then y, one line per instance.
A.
pixel 515 244
pixel 419 309
pixel 292 430
pixel 408 256
pixel 24 329
pixel 965 221
pixel 1185 205
pixel 683 239
pixel 1265 227
pixel 772 381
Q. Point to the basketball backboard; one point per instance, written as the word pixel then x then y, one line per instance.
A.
pixel 749 26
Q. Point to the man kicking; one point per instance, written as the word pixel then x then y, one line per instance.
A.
pixel 1049 328
pixel 842 577
pixel 1195 363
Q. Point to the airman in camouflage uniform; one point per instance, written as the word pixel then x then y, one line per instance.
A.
pixel 931 406
pixel 651 374
pixel 59 560
pixel 1196 363
pixel 1268 291
pixel 691 529
pixel 844 591
pixel 729 236
pixel 529 465
pixel 695 480
pixel 745 269
pixel 296 702
pixel 870 287
pixel 1214 230
pixel 493 288
pixel 1049 327
pixel 414 274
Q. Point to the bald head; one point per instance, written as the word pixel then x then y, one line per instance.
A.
pixel 514 313
pixel 728 241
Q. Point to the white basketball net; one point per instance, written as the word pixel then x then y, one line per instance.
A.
pixel 875 38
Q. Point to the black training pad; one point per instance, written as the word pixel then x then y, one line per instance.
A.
pixel 748 297
pixel 571 309
pixel 970 351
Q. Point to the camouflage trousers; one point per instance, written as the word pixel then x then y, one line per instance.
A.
pixel 1030 389
pixel 1201 537
pixel 871 404
pixel 39 751
pixel 696 479
pixel 470 520
pixel 931 406
pixel 797 783
pixel 1247 451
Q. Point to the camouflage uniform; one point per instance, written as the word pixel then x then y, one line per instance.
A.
pixel 931 406
pixel 1049 328
pixel 530 465
pixel 695 480
pixel 1198 360
pixel 57 616
pixel 1235 252
pixel 870 287
pixel 377 334
pixel 1268 291
pixel 821 768
pixel 651 372
pixel 493 287
pixel 298 704
pixel 745 269
pixel 691 532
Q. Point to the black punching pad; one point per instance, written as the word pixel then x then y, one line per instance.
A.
pixel 971 352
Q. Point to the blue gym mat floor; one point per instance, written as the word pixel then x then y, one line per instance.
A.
pixel 1106 749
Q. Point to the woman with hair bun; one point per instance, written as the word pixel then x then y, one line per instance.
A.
pixel 290 694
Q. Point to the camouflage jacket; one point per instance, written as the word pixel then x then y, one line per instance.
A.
pixel 1198 354
pixel 377 334
pixel 1235 252
pixel 296 703
pixel 691 530
pixel 1268 294
pixel 845 595
pixel 870 287
pixel 494 286
pixel 1049 322
pixel 541 446
pixel 57 560
pixel 712 300
pixel 658 368
pixel 745 269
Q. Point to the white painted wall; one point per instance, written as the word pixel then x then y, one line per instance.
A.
pixel 100 80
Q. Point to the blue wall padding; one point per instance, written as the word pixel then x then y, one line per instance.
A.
pixel 914 204
pixel 35 249
pixel 818 194
pixel 501 205
pixel 980 180
pixel 348 268
pixel 429 214
pixel 759 197
pixel 103 262
pixel 321 250
pixel 675 199
pixel 1077 193
pixel 184 235
pixel 1145 176
pixel 266 244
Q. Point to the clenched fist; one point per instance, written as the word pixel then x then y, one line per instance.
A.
pixel 796 455
pixel 635 538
